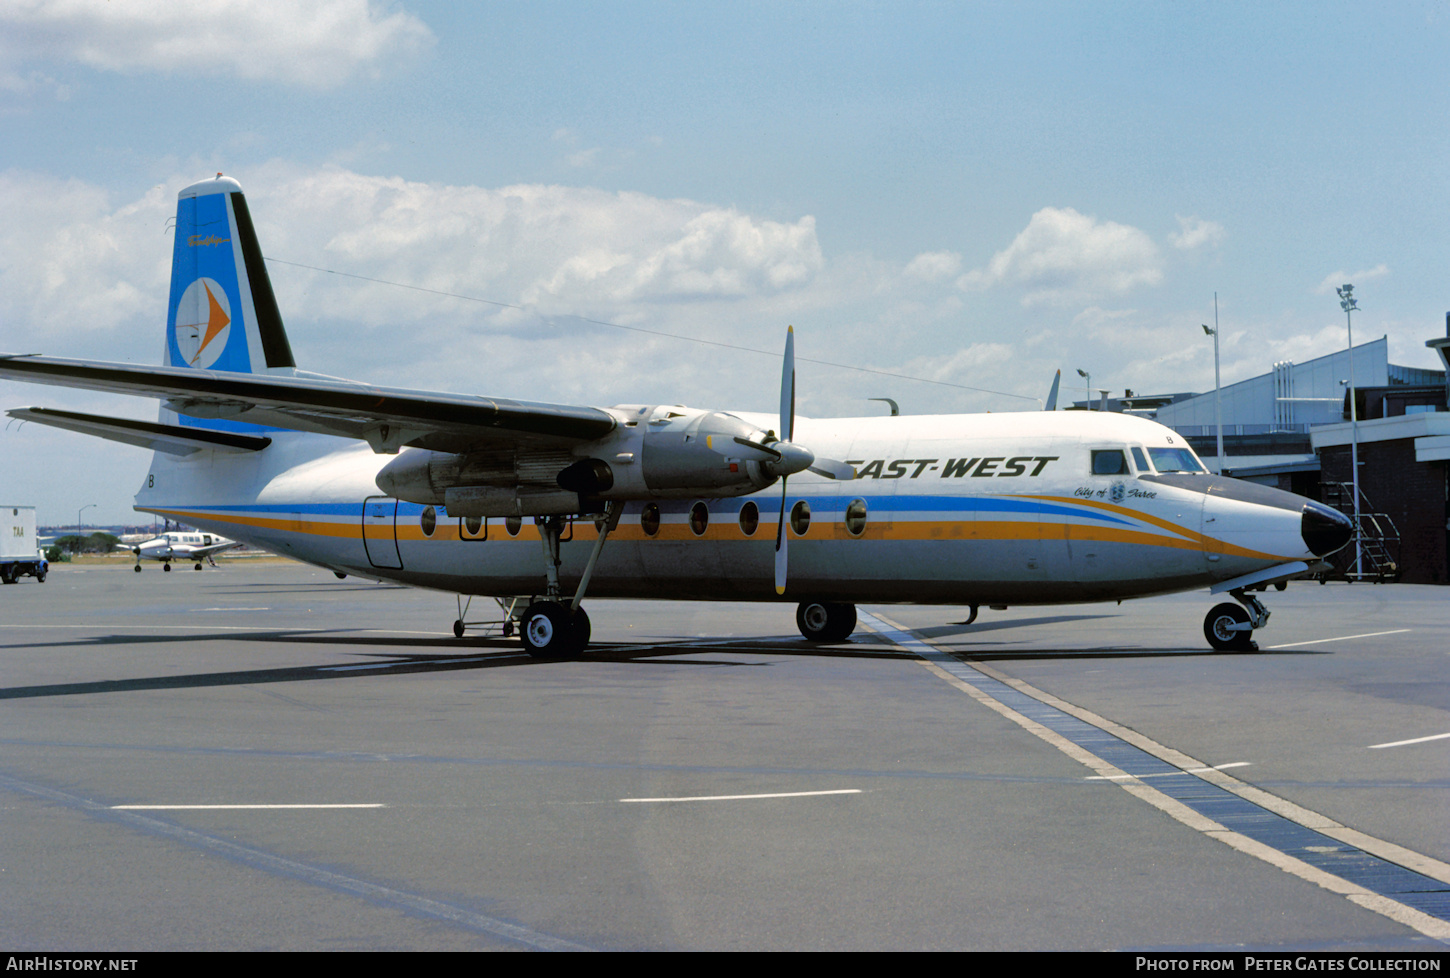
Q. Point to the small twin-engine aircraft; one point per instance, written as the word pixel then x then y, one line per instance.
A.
pixel 434 489
pixel 182 546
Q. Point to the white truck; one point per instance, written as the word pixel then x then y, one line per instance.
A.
pixel 19 555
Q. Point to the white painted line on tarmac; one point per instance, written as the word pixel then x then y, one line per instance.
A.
pixel 1167 774
pixel 1402 743
pixel 199 808
pixel 1342 638
pixel 940 661
pixel 783 794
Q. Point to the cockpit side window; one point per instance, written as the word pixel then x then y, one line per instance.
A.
pixel 1109 461
pixel 1140 460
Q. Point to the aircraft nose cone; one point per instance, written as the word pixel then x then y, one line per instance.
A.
pixel 1325 530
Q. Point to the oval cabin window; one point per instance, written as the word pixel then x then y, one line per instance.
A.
pixel 800 518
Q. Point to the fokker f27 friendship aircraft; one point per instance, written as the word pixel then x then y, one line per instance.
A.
pixel 433 489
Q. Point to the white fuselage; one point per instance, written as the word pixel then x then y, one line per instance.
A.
pixel 969 509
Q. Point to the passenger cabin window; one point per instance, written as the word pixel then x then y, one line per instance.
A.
pixel 749 518
pixel 1176 460
pixel 856 517
pixel 649 519
pixel 699 519
pixel 1109 462
pixel 800 518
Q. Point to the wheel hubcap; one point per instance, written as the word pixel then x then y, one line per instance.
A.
pixel 540 631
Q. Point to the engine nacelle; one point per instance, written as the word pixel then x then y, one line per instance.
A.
pixel 655 453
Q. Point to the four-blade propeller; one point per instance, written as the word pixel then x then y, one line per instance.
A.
pixel 788 458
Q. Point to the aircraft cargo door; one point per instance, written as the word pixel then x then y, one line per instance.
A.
pixel 379 530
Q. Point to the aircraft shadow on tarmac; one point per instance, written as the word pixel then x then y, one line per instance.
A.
pixel 488 653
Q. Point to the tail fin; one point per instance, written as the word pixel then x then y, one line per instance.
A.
pixel 223 315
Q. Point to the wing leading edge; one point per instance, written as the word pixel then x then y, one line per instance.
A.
pixel 387 418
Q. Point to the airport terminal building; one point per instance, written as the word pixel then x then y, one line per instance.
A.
pixel 1290 428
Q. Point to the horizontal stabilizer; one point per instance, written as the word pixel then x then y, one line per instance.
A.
pixel 169 438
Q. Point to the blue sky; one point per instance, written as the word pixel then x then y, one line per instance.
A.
pixel 976 194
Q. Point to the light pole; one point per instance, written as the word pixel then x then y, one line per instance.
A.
pixel 81 526
pixel 1347 303
pixel 1217 396
pixel 1089 388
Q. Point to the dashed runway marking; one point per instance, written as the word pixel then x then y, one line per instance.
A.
pixel 778 794
pixel 1407 887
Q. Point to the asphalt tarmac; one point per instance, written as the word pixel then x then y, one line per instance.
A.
pixel 265 757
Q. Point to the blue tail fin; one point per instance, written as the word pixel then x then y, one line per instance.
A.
pixel 223 315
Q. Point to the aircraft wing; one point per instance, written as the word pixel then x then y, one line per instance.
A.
pixel 387 418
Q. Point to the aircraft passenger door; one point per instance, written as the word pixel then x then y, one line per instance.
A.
pixel 379 530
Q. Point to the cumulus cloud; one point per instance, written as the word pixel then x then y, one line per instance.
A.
pixel 75 264
pixel 319 43
pixel 1193 232
pixel 70 259
pixel 556 247
pixel 1063 257
pixel 1334 280
pixel 933 266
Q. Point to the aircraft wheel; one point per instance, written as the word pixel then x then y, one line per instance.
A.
pixel 339 575
pixel 137 568
pixel 458 628
pixel 822 621
pixel 548 631
pixel 198 567
pixel 166 568
pixel 1216 628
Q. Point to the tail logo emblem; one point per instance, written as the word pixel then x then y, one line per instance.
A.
pixel 203 323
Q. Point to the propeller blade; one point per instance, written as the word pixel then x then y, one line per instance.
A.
pixel 787 387
pixel 759 447
pixel 1051 404
pixel 780 544
pixel 832 469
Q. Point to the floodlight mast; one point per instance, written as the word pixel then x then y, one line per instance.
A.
pixel 1088 390
pixel 1217 394
pixel 1348 304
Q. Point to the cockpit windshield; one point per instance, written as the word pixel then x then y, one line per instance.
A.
pixel 1175 460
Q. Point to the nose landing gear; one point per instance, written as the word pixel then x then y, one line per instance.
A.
pixel 1230 628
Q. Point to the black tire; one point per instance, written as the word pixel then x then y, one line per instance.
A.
pixel 549 631
pixel 1216 630
pixel 40 576
pixel 339 575
pixel 458 628
pixel 824 621
pixel 137 568
pixel 166 567
pixel 197 567
pixel 7 576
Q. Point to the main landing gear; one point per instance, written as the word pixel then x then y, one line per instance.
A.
pixel 552 627
pixel 825 621
pixel 1230 628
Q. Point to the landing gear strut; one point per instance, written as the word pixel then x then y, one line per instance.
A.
pixel 823 621
pixel 552 629
pixel 1230 628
